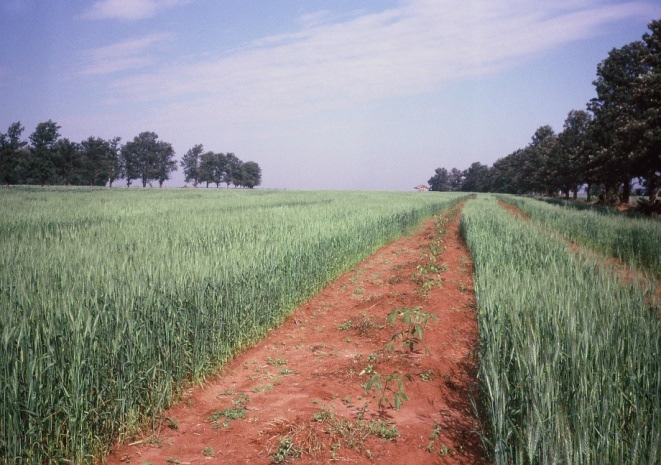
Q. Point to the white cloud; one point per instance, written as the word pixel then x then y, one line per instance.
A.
pixel 122 56
pixel 128 10
pixel 417 47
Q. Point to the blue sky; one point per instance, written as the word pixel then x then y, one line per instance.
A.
pixel 322 94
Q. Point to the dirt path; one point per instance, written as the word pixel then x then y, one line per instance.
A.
pixel 298 396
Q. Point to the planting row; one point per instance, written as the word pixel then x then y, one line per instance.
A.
pixel 110 299
pixel 569 357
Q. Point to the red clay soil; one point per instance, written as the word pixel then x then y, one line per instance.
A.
pixel 301 389
pixel 624 272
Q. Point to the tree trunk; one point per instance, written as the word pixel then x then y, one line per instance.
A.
pixel 576 193
pixel 652 188
pixel 609 197
pixel 626 192
pixel 587 190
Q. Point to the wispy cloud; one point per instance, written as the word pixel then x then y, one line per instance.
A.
pixel 128 10
pixel 417 47
pixel 122 56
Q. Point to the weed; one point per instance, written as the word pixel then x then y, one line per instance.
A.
pixel 345 326
pixel 384 393
pixel 208 451
pixel 286 450
pixel 172 423
pixel 416 320
pixel 238 411
pixel 323 415
pixel 426 376
pixel 276 361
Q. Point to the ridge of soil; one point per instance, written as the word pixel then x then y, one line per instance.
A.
pixel 621 270
pixel 301 390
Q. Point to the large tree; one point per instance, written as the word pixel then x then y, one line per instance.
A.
pixel 12 149
pixel 616 117
pixel 646 128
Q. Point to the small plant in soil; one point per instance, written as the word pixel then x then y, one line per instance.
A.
pixel 172 423
pixel 286 450
pixel 388 390
pixel 345 325
pixel 209 452
pixel 415 319
pixel 236 412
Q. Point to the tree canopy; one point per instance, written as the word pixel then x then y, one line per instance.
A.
pixel 48 159
pixel 603 149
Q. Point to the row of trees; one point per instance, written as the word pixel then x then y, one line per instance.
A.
pixel 214 168
pixel 49 159
pixel 602 149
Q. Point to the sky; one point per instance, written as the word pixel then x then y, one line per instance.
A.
pixel 342 94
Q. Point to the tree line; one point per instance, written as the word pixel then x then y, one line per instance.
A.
pixel 48 159
pixel 602 149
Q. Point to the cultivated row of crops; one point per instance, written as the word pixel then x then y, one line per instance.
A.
pixel 570 358
pixel 633 240
pixel 110 298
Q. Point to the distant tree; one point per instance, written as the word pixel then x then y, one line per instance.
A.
pixel 115 167
pixel 68 162
pixel 97 157
pixel 456 179
pixel 206 168
pixel 212 168
pixel 440 181
pixel 165 162
pixel 190 163
pixel 12 149
pixel 252 174
pixel 575 153
pixel 41 167
pixel 476 178
pixel 539 162
pixel 232 169
pixel 148 159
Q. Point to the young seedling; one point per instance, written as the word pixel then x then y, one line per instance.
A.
pixel 385 394
pixel 416 320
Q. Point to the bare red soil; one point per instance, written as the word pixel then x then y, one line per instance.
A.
pixel 301 388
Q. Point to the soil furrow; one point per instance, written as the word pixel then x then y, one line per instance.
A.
pixel 298 396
